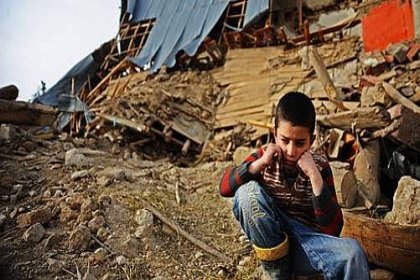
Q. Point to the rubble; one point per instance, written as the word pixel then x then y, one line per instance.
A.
pixel 123 139
pixel 405 209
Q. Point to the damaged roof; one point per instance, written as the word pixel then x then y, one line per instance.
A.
pixel 180 26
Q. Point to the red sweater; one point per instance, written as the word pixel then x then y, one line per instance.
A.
pixel 298 201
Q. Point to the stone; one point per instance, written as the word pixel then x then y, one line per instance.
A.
pixel 73 157
pixel 32 193
pixel 102 234
pixel 121 260
pixel 96 223
pixel 143 231
pixel 17 188
pixel 79 239
pixel 42 216
pixel 143 217
pixel 98 256
pixel 77 175
pixel 34 233
pixel 3 219
pixel 399 52
pixel 75 202
pixel 13 213
pixel 382 274
pixel 131 247
pixel 89 206
pixel 67 214
pixel 7 132
pixel 406 203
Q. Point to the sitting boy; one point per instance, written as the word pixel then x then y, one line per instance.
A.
pixel 285 201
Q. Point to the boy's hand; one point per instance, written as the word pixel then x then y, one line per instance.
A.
pixel 308 166
pixel 273 151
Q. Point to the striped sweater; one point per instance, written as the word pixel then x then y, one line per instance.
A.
pixel 319 212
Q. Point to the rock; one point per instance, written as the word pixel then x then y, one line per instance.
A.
pixel 198 255
pixel 131 247
pixel 98 256
pixel 42 216
pixel 54 265
pixel 67 214
pixel 143 231
pixel 221 274
pixel 121 260
pixel 7 132
pixel 13 213
pixel 102 234
pixel 79 175
pixel 96 223
pixel 79 239
pixel 104 181
pixel 17 188
pixel 3 219
pixel 382 274
pixel 34 233
pixel 32 193
pixel 399 52
pixel 75 202
pixel 73 157
pixel 143 217
pixel 406 206
pixel 89 206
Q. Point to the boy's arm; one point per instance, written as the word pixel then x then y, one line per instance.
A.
pixel 235 176
pixel 327 211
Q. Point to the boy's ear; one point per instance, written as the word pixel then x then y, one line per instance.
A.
pixel 274 131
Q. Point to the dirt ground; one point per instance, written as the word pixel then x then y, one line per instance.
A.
pixel 86 204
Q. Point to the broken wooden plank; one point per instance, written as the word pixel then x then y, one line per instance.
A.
pixel 387 245
pixel 371 117
pixel 23 113
pixel 399 98
pixel 333 93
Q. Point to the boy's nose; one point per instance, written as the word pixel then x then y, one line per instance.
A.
pixel 291 150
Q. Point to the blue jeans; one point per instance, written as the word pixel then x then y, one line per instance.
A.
pixel 311 252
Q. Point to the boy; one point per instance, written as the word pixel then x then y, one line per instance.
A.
pixel 285 201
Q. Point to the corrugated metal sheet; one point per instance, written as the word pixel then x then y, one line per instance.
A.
pixel 180 25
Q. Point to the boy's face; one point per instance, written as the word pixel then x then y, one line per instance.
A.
pixel 293 141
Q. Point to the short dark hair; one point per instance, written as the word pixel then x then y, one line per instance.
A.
pixel 296 108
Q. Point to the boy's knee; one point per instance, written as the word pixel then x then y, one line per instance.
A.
pixel 353 249
pixel 249 199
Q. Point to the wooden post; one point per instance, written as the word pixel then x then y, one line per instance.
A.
pixel 334 95
pixel 366 168
pixel 345 183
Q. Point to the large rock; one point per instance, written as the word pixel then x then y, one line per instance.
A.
pixel 406 208
pixel 34 233
pixel 42 216
pixel 79 239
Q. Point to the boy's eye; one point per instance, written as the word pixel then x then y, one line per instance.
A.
pixel 300 144
pixel 285 141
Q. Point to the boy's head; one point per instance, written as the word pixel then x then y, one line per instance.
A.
pixel 294 125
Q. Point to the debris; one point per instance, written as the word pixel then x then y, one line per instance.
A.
pixel 42 216
pixel 34 233
pixel 79 175
pixel 406 206
pixel 9 92
pixel 22 113
pixel 180 231
pixel 79 238
pixel 366 169
pixel 345 183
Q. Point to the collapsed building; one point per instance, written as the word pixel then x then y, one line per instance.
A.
pixel 201 78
